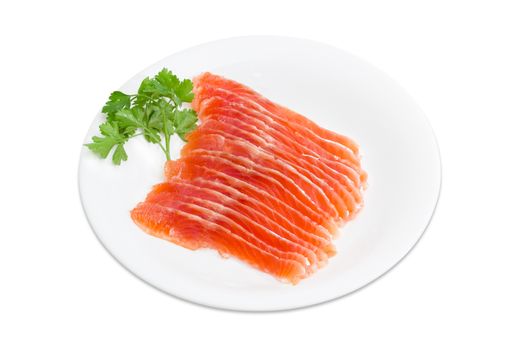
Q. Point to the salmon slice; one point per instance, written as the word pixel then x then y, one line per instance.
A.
pixel 311 167
pixel 251 173
pixel 212 80
pixel 264 231
pixel 256 181
pixel 228 102
pixel 285 137
pixel 193 232
pixel 290 229
pixel 212 213
pixel 280 143
pixel 275 167
pixel 210 91
pixel 346 200
pixel 315 233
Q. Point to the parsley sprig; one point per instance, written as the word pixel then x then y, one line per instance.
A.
pixel 155 112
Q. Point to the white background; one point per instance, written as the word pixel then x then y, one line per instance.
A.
pixel 463 286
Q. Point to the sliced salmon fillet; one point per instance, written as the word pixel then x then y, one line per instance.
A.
pixel 211 80
pixel 257 181
pixel 217 214
pixel 254 175
pixel 280 142
pixel 310 237
pixel 342 198
pixel 265 230
pixel 274 131
pixel 193 232
pixel 226 101
pixel 283 172
pixel 239 102
pixel 315 233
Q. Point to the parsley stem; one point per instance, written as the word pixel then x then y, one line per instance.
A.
pixel 164 150
pixel 174 102
pixel 166 137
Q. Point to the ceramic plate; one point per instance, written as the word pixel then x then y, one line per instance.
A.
pixel 331 87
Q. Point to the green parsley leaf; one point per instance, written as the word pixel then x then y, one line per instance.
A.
pixel 109 129
pixel 119 155
pixel 155 118
pixel 130 118
pixel 101 145
pixel 167 80
pixel 185 121
pixel 117 101
pixel 144 94
pixel 111 137
pixel 184 91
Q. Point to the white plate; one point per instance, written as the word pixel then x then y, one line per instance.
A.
pixel 335 89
